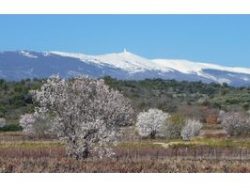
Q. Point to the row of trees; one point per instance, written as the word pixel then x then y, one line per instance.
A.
pixel 169 95
pixel 156 123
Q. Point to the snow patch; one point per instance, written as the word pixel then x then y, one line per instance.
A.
pixel 133 63
pixel 27 54
pixel 125 61
pixel 188 67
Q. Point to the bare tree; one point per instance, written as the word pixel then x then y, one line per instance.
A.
pixel 87 114
pixel 191 129
pixel 150 123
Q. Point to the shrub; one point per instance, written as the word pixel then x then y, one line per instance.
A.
pixel 2 122
pixel 173 126
pixel 211 116
pixel 38 124
pixel 221 116
pixel 151 123
pixel 191 129
pixel 211 119
pixel 191 111
pixel 236 124
pixel 11 127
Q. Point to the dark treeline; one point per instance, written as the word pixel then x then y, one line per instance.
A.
pixel 171 95
pixel 168 95
pixel 15 98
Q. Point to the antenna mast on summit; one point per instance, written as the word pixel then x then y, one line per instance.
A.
pixel 124 50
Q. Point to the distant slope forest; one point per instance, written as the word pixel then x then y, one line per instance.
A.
pixel 193 99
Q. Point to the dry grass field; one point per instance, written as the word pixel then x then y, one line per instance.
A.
pixel 19 153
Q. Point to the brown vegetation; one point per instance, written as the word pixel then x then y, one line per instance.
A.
pixel 132 165
pixel 20 154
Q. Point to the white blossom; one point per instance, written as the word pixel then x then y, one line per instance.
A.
pixel 38 124
pixel 191 129
pixel 87 114
pixel 26 122
pixel 150 123
pixel 2 122
pixel 236 123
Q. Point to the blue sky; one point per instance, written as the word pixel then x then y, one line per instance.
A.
pixel 220 39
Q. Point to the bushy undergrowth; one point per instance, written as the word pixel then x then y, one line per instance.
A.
pixel 173 126
pixel 11 127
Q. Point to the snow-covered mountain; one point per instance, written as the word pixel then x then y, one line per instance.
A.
pixel 16 65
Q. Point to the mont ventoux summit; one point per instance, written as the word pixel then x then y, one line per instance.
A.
pixel 17 65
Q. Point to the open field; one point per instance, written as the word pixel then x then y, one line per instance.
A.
pixel 22 154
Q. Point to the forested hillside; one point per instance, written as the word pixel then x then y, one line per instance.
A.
pixel 15 99
pixel 171 95
pixel 187 98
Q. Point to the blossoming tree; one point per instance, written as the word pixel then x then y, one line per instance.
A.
pixel 86 113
